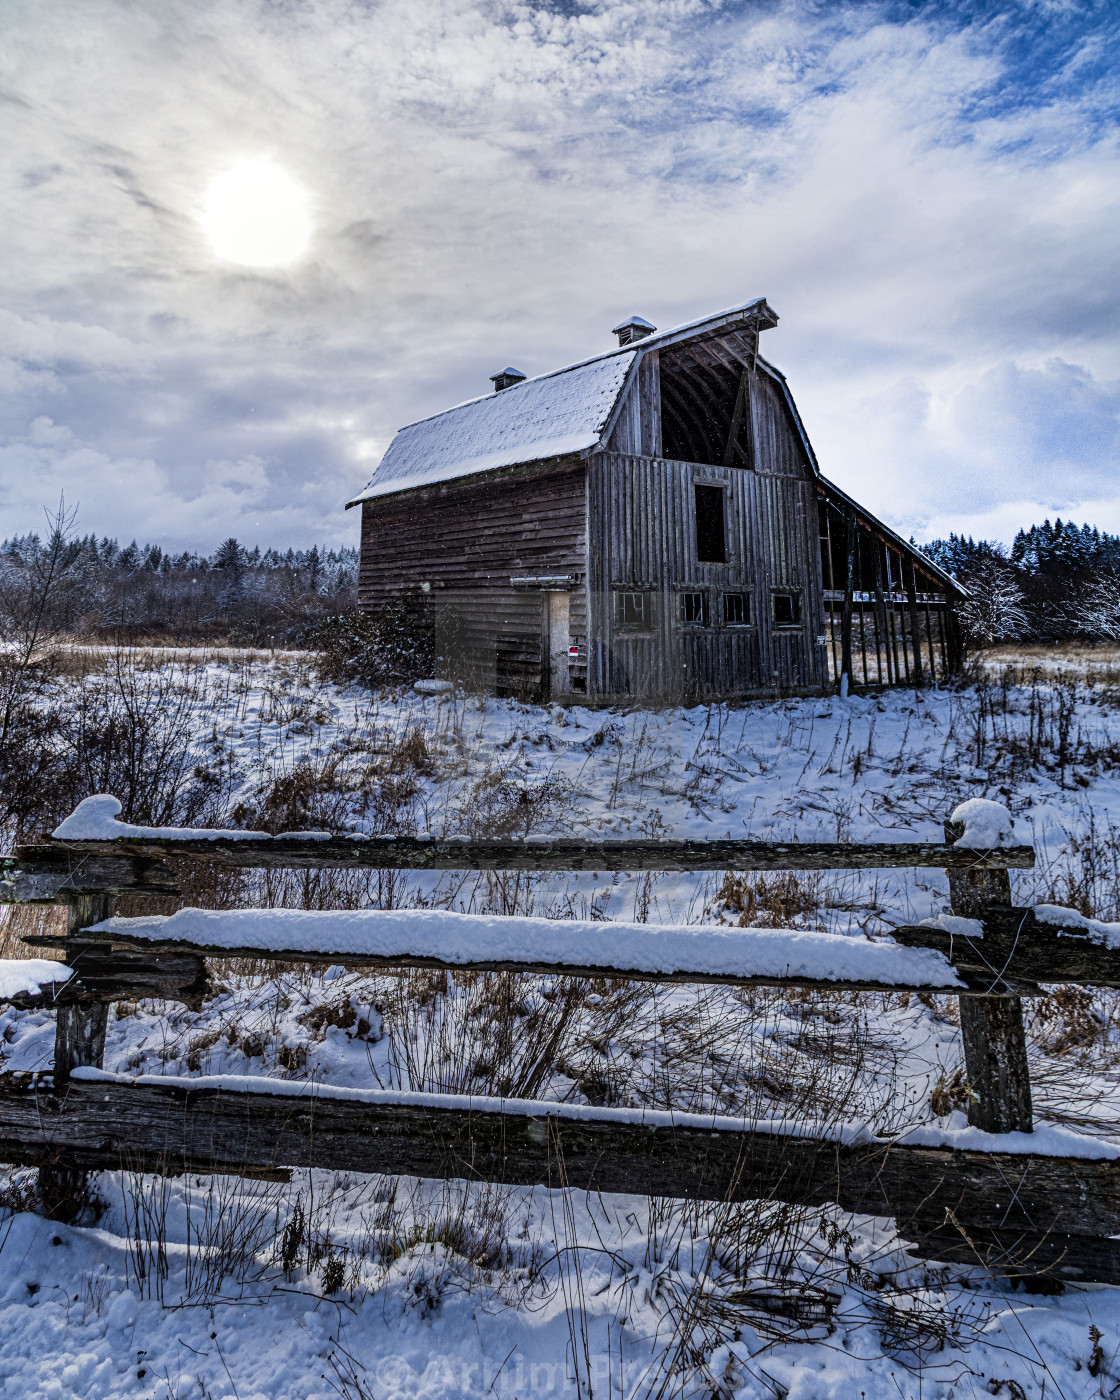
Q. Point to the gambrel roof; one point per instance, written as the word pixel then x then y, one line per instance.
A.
pixel 567 410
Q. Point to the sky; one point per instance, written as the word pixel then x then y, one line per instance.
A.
pixel 927 194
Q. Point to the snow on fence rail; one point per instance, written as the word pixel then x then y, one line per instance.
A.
pixel 994 1193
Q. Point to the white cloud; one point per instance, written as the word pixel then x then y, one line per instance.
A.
pixel 499 182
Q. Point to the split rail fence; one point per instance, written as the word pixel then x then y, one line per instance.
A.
pixel 1017 1213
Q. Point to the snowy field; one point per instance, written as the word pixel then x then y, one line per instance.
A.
pixel 372 1287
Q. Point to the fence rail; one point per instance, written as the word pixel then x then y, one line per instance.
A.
pixel 1015 1211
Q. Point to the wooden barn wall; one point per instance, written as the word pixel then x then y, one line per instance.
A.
pixel 642 537
pixel 777 445
pixel 466 539
pixel 637 425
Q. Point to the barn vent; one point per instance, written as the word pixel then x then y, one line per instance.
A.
pixel 637 328
pixel 506 378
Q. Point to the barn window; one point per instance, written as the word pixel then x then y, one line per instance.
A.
pixel 736 609
pixel 710 543
pixel 635 609
pixel 694 609
pixel 787 609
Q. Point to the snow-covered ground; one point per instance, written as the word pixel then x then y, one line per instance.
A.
pixel 374 1287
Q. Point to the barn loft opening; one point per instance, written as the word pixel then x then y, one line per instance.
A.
pixel 711 547
pixel 706 400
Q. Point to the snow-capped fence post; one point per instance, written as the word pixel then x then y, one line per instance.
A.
pixel 79 1041
pixel 995 1047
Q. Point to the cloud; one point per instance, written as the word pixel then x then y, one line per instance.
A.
pixel 928 195
pixel 133 497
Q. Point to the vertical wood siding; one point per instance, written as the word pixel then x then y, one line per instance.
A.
pixel 642 536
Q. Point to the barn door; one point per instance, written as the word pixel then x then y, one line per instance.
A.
pixel 557 639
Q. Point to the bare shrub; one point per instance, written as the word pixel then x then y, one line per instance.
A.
pixel 949 1093
pixel 751 1052
pixel 228 1222
pixel 127 730
pixel 500 802
pixel 391 646
pixel 1070 1019
pixel 916 1323
pixel 771 901
pixel 498 1033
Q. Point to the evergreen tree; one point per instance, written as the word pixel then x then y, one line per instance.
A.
pixel 229 555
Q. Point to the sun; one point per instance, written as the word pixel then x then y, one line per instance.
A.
pixel 257 215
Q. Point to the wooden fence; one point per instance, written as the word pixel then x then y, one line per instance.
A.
pixel 1015 1212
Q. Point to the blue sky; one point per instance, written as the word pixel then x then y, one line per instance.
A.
pixel 928 194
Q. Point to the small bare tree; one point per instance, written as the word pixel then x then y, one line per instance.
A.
pixel 1096 611
pixel 37 587
pixel 993 611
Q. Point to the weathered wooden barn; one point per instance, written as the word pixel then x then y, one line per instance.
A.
pixel 649 523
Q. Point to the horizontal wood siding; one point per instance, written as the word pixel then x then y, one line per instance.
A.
pixel 466 539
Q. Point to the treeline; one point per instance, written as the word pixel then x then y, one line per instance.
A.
pixel 100 589
pixel 1057 582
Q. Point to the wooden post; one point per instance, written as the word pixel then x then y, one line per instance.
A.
pixel 79 1040
pixel 915 624
pixel 846 619
pixel 995 1046
pixel 882 633
pixel 954 647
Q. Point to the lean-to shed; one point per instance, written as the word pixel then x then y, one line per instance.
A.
pixel 649 523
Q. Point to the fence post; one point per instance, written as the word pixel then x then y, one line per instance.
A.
pixel 79 1040
pixel 995 1046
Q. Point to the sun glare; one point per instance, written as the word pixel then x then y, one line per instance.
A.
pixel 257 215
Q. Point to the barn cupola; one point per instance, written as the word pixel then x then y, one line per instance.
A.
pixel 507 378
pixel 637 328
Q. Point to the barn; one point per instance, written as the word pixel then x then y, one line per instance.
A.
pixel 648 524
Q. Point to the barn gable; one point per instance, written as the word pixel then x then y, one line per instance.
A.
pixel 573 409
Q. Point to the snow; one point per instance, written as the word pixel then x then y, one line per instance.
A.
pixel 432 687
pixel 1063 918
pixel 478 938
pixel 1047 1140
pixel 30 975
pixel 956 925
pixel 986 824
pixel 849 1134
pixel 95 819
pixel 428 1323
pixel 548 416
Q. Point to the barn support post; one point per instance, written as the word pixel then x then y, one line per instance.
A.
pixel 882 631
pixel 954 646
pixel 915 622
pixel 79 1040
pixel 995 1047
pixel 846 619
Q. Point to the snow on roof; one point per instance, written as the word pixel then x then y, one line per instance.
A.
pixel 565 411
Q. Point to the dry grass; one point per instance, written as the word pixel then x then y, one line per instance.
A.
pixel 19 921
